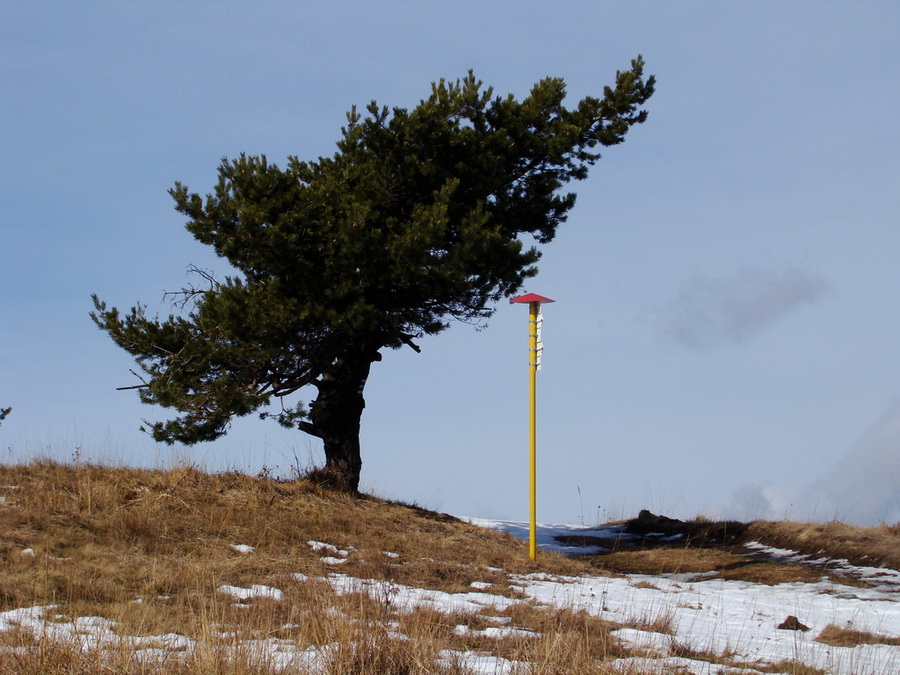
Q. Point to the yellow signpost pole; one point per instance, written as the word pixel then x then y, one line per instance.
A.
pixel 533 309
pixel 535 350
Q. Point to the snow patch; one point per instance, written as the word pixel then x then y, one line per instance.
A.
pixel 255 591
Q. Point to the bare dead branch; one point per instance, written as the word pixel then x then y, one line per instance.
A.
pixel 187 293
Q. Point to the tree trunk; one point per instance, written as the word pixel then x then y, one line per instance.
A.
pixel 335 418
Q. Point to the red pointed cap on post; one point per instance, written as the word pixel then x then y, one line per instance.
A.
pixel 531 297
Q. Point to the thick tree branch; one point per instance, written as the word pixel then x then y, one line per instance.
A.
pixel 407 340
pixel 311 429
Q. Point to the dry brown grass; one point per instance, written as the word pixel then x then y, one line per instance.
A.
pixel 147 551
pixel 665 561
pixel 688 651
pixel 725 564
pixel 873 546
pixel 565 639
pixel 103 535
pixel 847 637
pixel 729 559
pixel 790 668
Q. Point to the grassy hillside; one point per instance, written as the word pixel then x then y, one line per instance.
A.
pixel 148 554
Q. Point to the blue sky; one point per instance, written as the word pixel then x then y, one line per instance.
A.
pixel 725 337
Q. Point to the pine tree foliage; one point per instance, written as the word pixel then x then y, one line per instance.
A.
pixel 417 220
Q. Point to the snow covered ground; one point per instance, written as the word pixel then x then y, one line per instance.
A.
pixel 725 616
pixel 707 614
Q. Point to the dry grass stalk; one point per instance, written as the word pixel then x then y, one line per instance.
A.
pixel 790 668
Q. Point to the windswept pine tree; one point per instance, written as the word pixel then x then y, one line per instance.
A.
pixel 416 221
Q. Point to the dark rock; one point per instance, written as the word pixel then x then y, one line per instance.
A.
pixel 650 522
pixel 792 623
pixel 664 530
